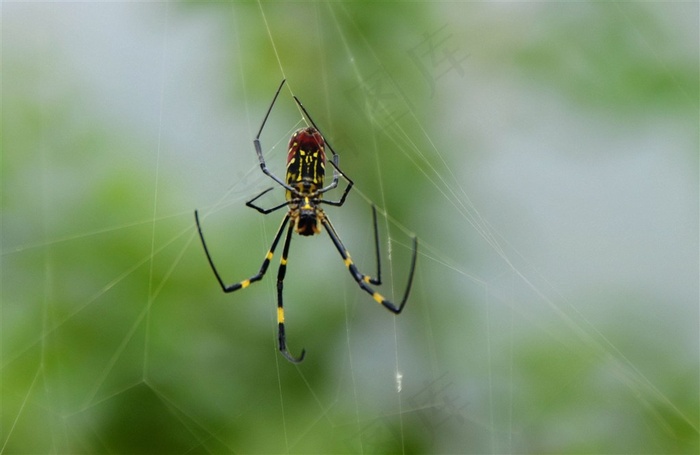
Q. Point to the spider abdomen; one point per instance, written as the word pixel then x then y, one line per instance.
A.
pixel 306 161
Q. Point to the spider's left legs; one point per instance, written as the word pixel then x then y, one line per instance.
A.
pixel 262 210
pixel 266 171
pixel 364 280
pixel 263 268
pixel 258 148
pixel 282 340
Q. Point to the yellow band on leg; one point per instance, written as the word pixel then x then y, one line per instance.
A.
pixel 280 315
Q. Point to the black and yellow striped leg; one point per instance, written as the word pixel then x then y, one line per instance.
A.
pixel 364 280
pixel 280 308
pixel 263 268
pixel 377 280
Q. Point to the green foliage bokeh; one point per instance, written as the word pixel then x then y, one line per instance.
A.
pixel 117 339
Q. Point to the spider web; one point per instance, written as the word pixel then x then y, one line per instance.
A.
pixel 555 305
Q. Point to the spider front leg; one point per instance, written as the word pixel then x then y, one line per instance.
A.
pixel 258 148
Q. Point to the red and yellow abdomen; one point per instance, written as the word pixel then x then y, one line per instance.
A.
pixel 306 161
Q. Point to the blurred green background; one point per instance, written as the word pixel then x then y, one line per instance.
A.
pixel 545 154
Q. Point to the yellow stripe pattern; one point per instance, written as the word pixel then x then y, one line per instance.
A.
pixel 280 315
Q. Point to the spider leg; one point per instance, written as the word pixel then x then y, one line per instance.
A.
pixel 263 268
pixel 337 170
pixel 282 340
pixel 364 280
pixel 267 172
pixel 377 280
pixel 269 109
pixel 334 163
pixel 258 148
pixel 262 210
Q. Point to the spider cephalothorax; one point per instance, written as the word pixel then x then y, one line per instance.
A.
pixel 306 214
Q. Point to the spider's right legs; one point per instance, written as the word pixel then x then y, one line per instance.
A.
pixel 364 280
pixel 263 268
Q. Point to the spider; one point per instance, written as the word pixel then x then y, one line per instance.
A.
pixel 304 191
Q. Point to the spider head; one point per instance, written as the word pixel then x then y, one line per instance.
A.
pixel 306 216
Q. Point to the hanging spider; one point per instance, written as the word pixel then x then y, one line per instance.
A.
pixel 304 191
